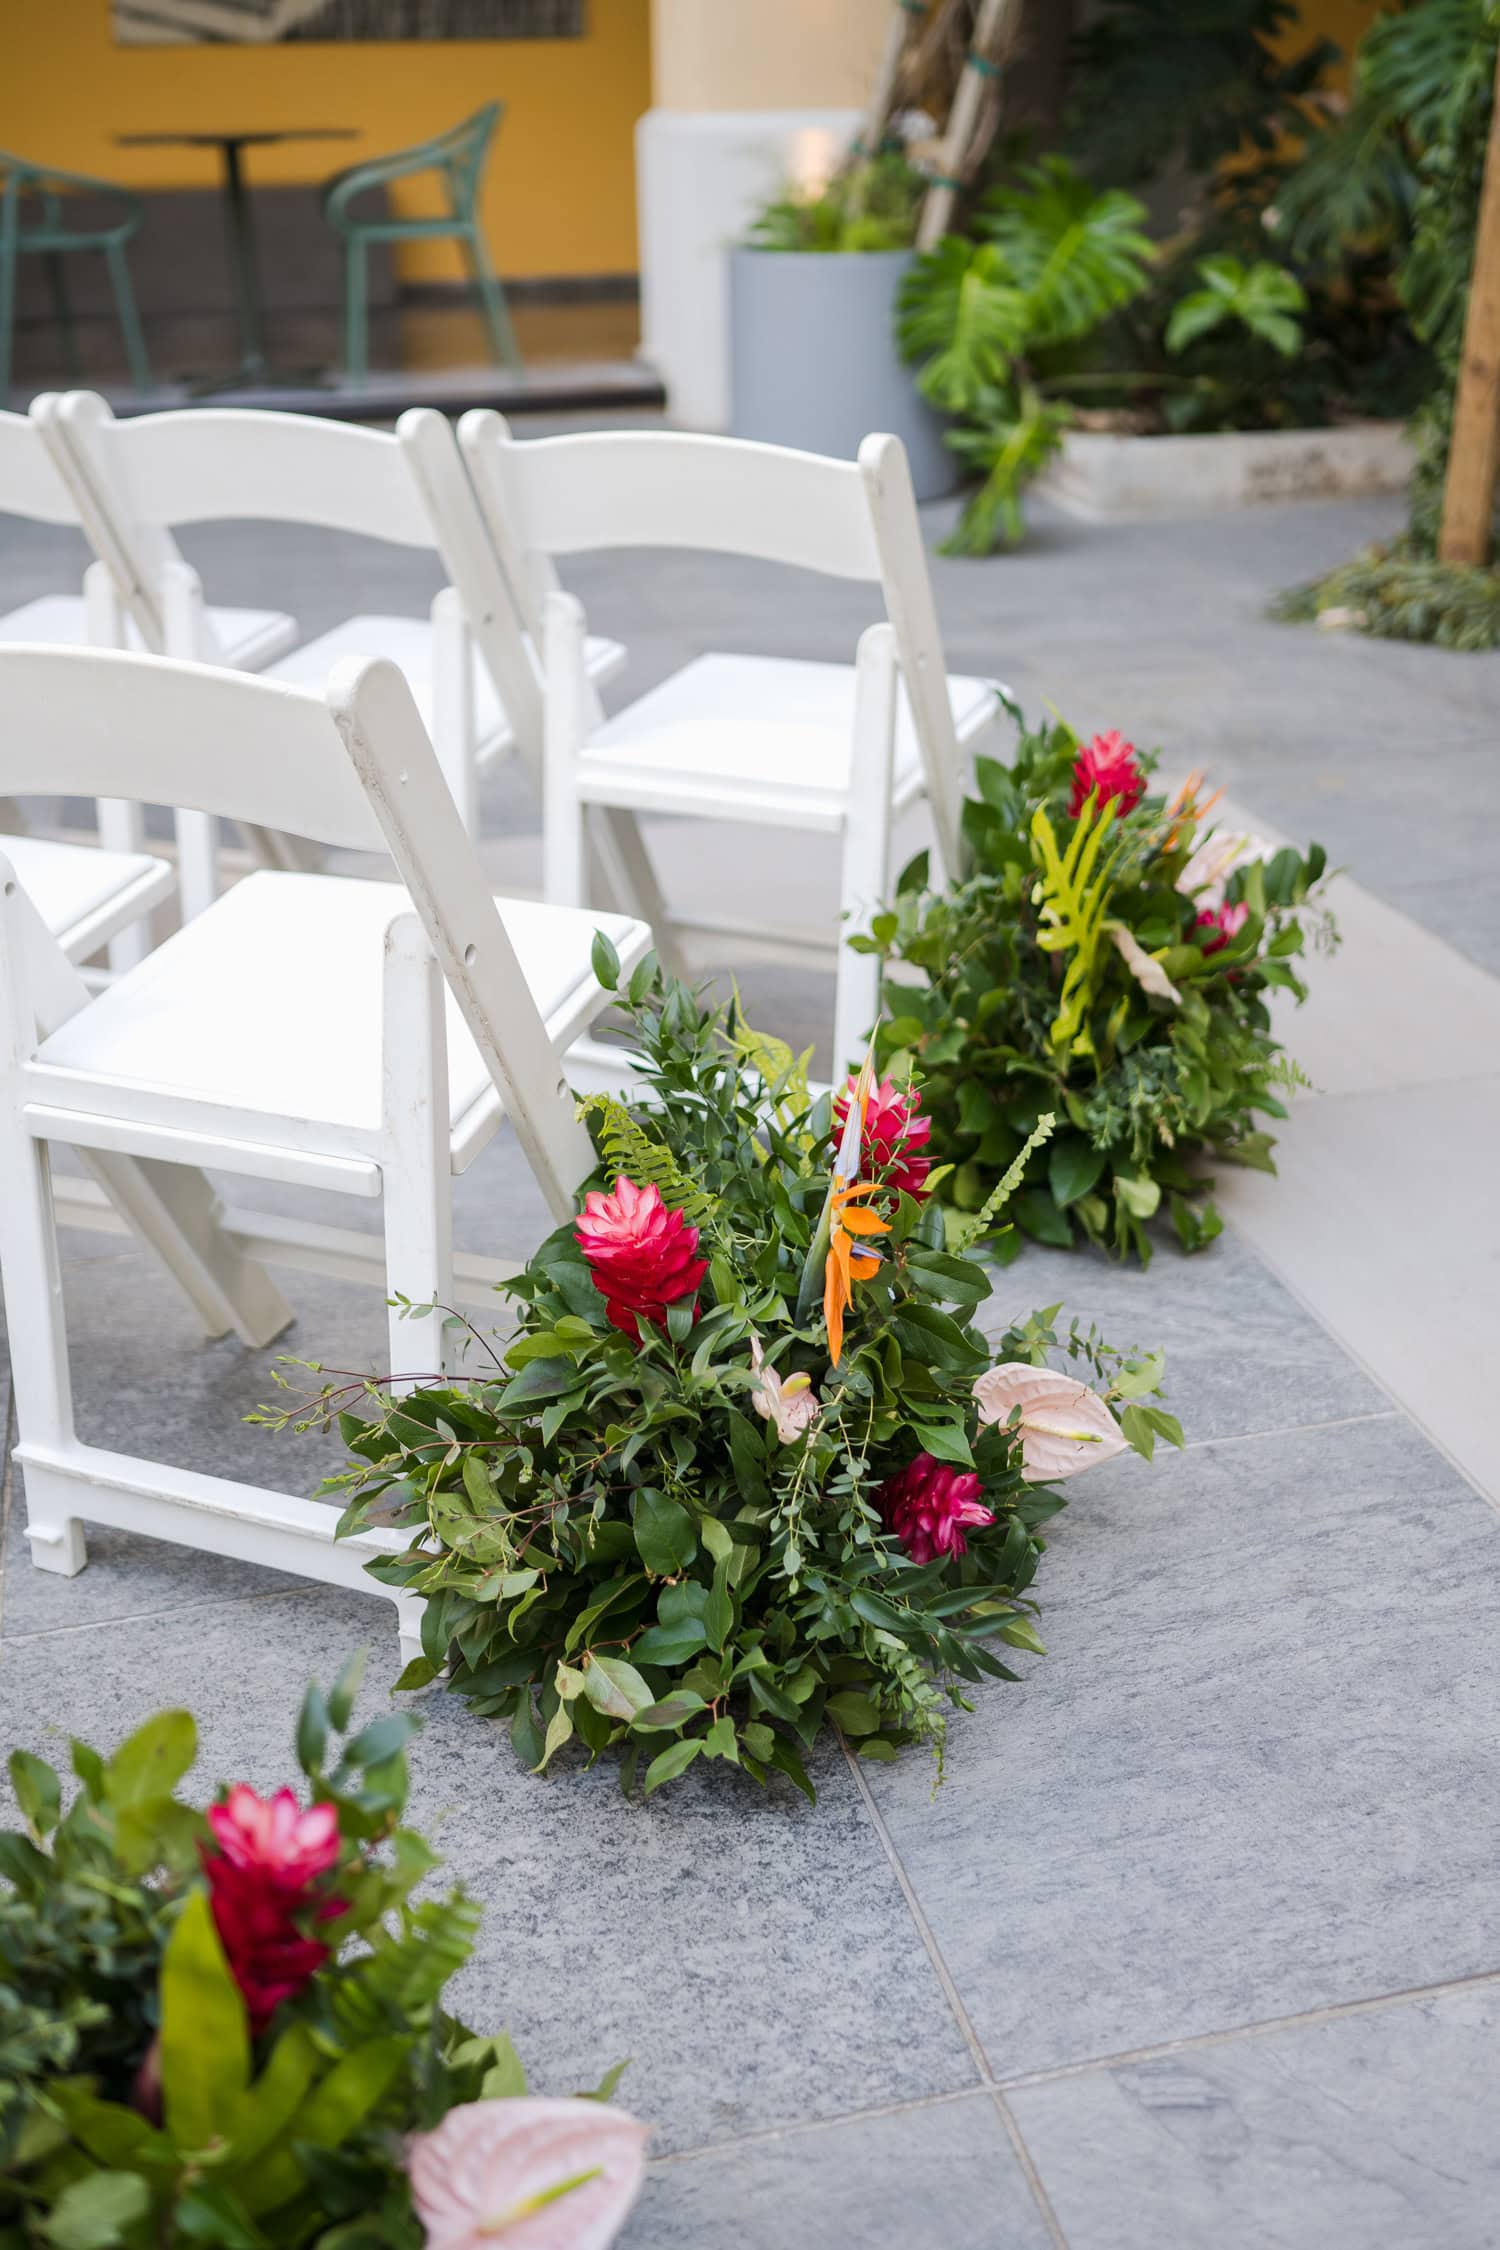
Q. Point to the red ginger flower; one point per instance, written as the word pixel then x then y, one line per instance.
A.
pixel 892 1134
pixel 262 1885
pixel 1107 767
pixel 641 1254
pixel 927 1504
pixel 1226 923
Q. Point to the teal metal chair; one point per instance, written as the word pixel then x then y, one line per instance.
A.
pixel 34 223
pixel 459 155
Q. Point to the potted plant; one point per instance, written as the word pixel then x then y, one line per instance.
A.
pixel 814 361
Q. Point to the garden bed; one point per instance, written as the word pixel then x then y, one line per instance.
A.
pixel 1100 475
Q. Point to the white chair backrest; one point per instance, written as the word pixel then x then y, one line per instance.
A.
pixel 356 771
pixel 137 480
pixel 30 484
pixel 662 488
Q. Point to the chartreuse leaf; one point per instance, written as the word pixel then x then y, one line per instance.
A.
pixel 669 1763
pixel 342 2101
pixel 93 2213
pixel 38 1792
pixel 616 1688
pixel 205 2034
pixel 1074 889
pixel 151 1762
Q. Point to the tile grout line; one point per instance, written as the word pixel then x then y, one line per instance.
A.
pixel 1300 1296
pixel 1299 1429
pixel 176 1609
pixel 957 2009
pixel 1334 2011
pixel 995 2091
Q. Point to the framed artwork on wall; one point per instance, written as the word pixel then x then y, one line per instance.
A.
pixel 175 23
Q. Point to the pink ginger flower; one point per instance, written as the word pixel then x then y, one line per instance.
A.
pixel 927 1505
pixel 1107 768
pixel 641 1254
pixel 1226 923
pixel 893 1133
pixel 531 2173
pixel 274 1839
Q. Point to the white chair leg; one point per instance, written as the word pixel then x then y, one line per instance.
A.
pixel 453 714
pixel 176 1213
pixel 122 826
pixel 171 1206
pixel 565 725
pixel 189 634
pixel 867 843
pixel 30 1269
pixel 417 1167
pixel 632 880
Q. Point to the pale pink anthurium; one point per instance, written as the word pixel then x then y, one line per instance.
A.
pixel 1064 1425
pixel 787 1400
pixel 529 2173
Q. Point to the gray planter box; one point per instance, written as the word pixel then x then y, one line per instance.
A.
pixel 1100 477
pixel 813 358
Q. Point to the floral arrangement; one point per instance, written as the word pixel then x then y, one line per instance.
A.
pixel 1106 959
pixel 227 2027
pixel 747 1468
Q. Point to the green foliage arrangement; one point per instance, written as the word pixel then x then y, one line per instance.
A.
pixel 224 2029
pixel 748 1469
pixel 871 205
pixel 1407 162
pixel 1108 958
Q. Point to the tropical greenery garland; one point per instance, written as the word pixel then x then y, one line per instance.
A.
pixel 228 2028
pixel 749 1468
pixel 1106 960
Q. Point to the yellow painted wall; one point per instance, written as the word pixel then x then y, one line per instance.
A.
pixel 560 192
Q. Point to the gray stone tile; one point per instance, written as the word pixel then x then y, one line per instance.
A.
pixel 925 2179
pixel 1253 1775
pixel 1242 1355
pixel 755 1957
pixel 145 1382
pixel 1364 2131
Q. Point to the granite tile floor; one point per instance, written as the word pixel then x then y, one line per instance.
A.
pixel 1198 1944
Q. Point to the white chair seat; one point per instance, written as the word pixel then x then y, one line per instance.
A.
pixel 84 896
pixel 250 638
pixel 764 738
pixel 408 641
pixel 225 1018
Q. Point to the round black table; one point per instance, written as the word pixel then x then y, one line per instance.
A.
pixel 239 225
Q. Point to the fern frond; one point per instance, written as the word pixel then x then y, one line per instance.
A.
pixel 630 1149
pixel 964 1232
pixel 1073 894
pixel 395 1986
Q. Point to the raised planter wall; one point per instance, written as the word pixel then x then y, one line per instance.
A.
pixel 1099 476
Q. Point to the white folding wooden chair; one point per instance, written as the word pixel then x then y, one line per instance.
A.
pixel 297 1030
pixel 475 683
pixel 834 748
pixel 85 896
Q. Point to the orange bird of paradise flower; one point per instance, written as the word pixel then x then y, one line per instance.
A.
pixel 1185 808
pixel 848 1220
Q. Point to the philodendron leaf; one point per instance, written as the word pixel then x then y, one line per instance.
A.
pixel 205 2033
